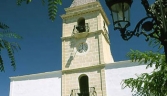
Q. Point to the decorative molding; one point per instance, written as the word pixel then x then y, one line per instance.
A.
pixel 84 68
pixel 83 34
pixel 80 35
pixel 83 9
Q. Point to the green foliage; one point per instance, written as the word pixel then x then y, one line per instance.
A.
pixel 154 83
pixel 148 84
pixel 52 6
pixel 154 42
pixel 20 1
pixel 147 57
pixel 6 45
pixel 3 26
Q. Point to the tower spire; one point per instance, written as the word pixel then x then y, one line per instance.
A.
pixel 81 2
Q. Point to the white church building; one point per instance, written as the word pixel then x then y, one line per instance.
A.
pixel 88 68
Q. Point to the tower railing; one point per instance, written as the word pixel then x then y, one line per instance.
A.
pixel 77 92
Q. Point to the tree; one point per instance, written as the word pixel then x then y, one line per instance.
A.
pixel 5 33
pixel 149 84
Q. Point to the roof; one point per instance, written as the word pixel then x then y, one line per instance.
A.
pixel 50 74
pixel 81 2
pixel 123 64
pixel 58 73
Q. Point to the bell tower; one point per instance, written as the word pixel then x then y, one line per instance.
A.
pixel 85 49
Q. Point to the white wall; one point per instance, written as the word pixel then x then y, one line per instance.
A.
pixel 43 84
pixel 116 72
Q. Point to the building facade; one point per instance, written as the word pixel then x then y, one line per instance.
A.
pixel 88 68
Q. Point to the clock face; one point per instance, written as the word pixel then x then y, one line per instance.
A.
pixel 82 47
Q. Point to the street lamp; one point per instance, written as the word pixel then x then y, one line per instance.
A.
pixel 154 25
pixel 120 10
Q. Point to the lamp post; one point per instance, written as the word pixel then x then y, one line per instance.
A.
pixel 154 25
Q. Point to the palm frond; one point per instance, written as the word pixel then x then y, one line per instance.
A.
pixel 9 34
pixel 1 64
pixel 10 51
pixel 52 8
pixel 11 47
pixel 15 46
pixel 20 1
pixel 3 26
pixel 28 1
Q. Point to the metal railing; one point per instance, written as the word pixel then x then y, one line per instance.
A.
pixel 77 92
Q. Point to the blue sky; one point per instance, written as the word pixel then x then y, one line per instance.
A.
pixel 41 43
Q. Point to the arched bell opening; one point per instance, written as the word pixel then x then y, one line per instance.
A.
pixel 81 25
pixel 84 85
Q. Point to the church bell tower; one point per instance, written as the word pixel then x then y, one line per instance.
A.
pixel 85 49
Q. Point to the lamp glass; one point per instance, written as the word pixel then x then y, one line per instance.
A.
pixel 120 15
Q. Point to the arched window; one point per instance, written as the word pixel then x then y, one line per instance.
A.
pixel 84 85
pixel 81 25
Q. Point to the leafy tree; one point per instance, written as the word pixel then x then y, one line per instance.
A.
pixel 5 33
pixel 148 84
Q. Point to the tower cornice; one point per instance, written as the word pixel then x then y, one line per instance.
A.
pixel 88 33
pixel 83 9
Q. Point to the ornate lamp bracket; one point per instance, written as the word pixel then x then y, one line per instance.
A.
pixel 145 26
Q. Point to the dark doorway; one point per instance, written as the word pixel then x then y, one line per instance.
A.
pixel 84 86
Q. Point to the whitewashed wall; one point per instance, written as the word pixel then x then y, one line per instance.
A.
pixel 43 84
pixel 116 72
